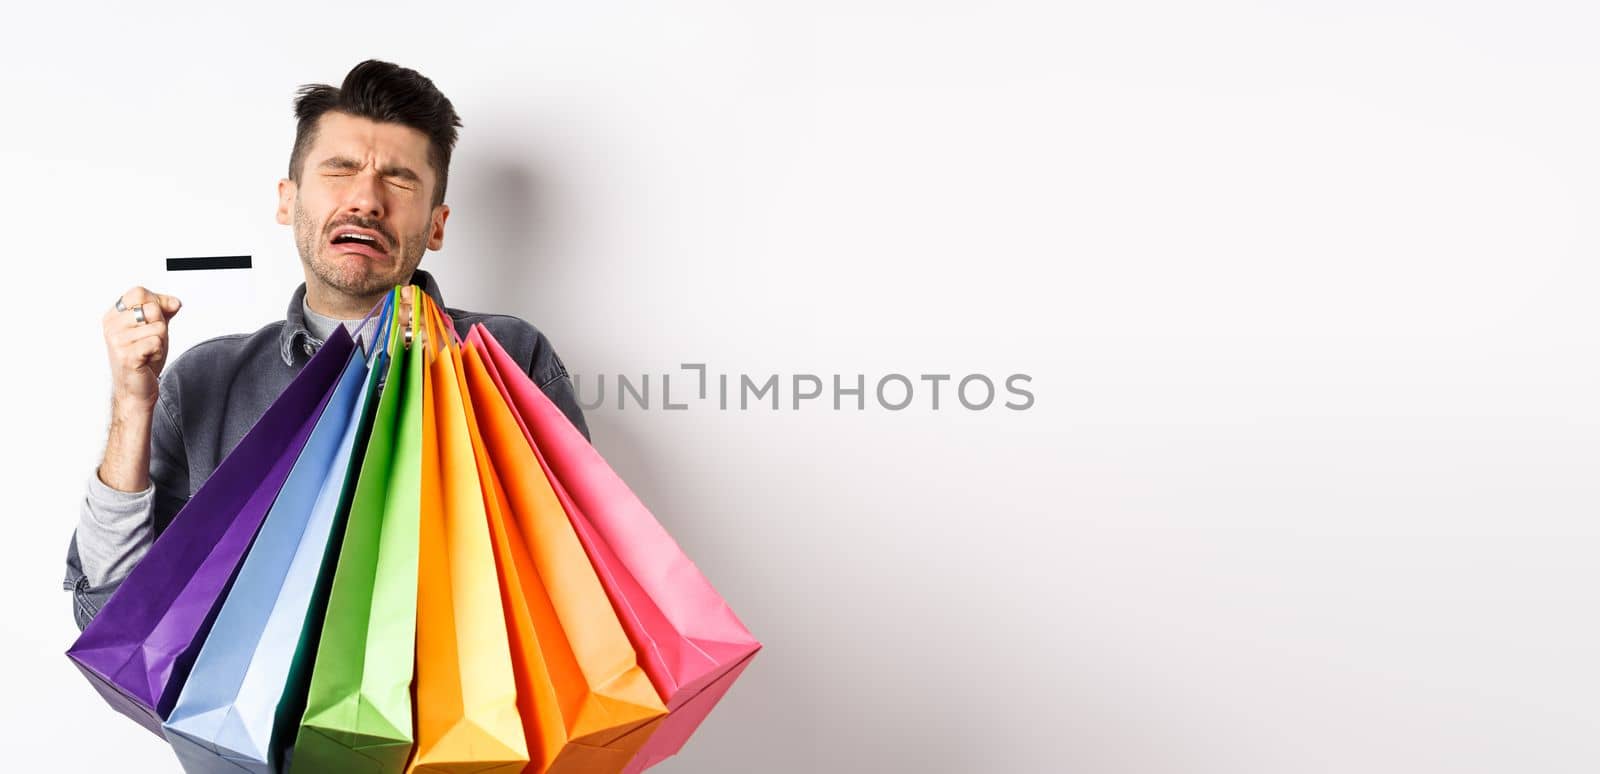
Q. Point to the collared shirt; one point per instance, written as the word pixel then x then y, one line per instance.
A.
pixel 210 396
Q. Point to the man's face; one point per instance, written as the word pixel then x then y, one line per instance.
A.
pixel 368 176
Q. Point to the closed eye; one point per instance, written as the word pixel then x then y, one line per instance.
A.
pixel 342 166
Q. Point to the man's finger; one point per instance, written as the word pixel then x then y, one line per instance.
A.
pixel 152 312
pixel 169 305
pixel 149 346
pixel 405 308
pixel 135 296
pixel 130 319
pixel 157 329
pixel 140 354
pixel 134 339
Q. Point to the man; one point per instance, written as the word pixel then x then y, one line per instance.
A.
pixel 365 195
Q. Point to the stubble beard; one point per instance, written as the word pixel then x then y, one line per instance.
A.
pixel 356 278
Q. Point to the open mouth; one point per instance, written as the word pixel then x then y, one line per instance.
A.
pixel 358 242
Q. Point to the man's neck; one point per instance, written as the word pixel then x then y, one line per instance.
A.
pixel 340 306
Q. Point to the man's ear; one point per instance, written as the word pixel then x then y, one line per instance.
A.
pixel 286 193
pixel 436 235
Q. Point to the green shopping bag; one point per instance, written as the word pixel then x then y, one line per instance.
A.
pixel 358 706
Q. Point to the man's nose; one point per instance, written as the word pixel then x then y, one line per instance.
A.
pixel 366 196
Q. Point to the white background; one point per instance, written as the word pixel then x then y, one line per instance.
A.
pixel 1306 292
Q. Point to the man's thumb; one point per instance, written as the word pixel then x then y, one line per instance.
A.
pixel 169 305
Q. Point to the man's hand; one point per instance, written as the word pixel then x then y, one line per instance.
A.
pixel 420 339
pixel 136 344
pixel 404 310
pixel 138 350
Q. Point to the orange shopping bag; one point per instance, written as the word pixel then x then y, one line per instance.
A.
pixel 587 706
pixel 467 715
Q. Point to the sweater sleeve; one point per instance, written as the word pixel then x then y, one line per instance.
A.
pixel 115 528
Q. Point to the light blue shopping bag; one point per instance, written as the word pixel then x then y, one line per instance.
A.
pixel 240 707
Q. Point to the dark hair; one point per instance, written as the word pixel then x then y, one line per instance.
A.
pixel 380 91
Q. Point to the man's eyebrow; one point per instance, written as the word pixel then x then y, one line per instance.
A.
pixel 393 170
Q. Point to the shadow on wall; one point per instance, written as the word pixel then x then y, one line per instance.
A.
pixel 508 249
pixel 822 695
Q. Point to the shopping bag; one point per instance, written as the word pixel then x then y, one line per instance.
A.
pixel 138 650
pixel 689 642
pixel 587 705
pixel 242 701
pixel 358 704
pixel 467 715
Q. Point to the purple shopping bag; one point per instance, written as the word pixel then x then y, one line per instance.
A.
pixel 140 646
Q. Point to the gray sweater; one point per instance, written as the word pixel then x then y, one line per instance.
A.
pixel 210 397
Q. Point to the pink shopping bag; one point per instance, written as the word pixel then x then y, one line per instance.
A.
pixel 689 641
